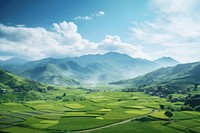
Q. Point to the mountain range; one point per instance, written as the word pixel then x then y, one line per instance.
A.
pixel 180 74
pixel 87 69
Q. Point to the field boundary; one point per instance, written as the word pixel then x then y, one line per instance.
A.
pixel 117 123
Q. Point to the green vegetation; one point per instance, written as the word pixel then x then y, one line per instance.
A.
pixel 169 114
pixel 29 106
pixel 164 81
pixel 98 109
pixel 14 88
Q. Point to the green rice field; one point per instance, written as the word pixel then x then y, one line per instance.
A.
pixel 98 112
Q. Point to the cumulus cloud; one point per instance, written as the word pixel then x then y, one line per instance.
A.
pixel 100 13
pixel 90 17
pixel 177 6
pixel 63 40
pixel 175 29
pixel 36 43
pixel 83 18
pixel 114 44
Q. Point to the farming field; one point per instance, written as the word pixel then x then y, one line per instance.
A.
pixel 97 112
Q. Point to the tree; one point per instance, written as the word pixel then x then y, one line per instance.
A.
pixel 195 86
pixel 188 97
pixel 193 101
pixel 162 107
pixel 169 114
pixel 188 89
pixel 64 94
pixel 170 97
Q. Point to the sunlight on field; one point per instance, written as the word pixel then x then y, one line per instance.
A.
pixel 51 116
pixel 74 105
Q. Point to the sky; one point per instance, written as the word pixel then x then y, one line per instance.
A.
pixel 150 29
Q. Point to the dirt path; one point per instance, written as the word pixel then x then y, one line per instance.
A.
pixel 117 123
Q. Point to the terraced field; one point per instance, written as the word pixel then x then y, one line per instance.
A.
pixel 97 112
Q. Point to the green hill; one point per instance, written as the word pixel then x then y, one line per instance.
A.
pixel 179 74
pixel 50 74
pixel 15 88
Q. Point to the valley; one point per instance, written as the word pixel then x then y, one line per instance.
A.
pixel 96 112
pixel 99 66
pixel 164 100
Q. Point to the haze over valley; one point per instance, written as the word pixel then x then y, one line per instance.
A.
pixel 85 69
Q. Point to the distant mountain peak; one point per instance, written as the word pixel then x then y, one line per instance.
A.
pixel 112 53
pixel 166 61
pixel 166 58
pixel 116 55
pixel 14 61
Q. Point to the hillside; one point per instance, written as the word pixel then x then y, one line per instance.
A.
pixel 182 73
pixel 13 87
pixel 51 73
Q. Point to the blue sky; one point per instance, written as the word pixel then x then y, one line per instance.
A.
pixel 42 13
pixel 150 29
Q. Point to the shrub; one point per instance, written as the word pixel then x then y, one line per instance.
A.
pixel 197 108
pixel 169 114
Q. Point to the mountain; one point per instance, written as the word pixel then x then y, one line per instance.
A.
pixel 106 58
pixel 50 74
pixel 13 64
pixel 115 65
pixel 13 61
pixel 179 74
pixel 90 68
pixel 166 61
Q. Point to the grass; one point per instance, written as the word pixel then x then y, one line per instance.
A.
pixel 184 116
pixel 74 105
pixel 10 121
pixel 118 115
pixel 184 124
pixel 139 112
pixel 13 107
pixel 45 123
pixel 79 123
pixel 195 129
pixel 134 107
pixel 31 121
pixel 50 116
pixel 98 109
pixel 81 114
pixel 159 115
pixel 16 129
pixel 139 127
pixel 105 110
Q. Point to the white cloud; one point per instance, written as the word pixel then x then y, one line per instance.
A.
pixel 114 44
pixel 83 18
pixel 90 17
pixel 100 13
pixel 62 41
pixel 112 39
pixel 175 30
pixel 174 6
pixel 37 43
